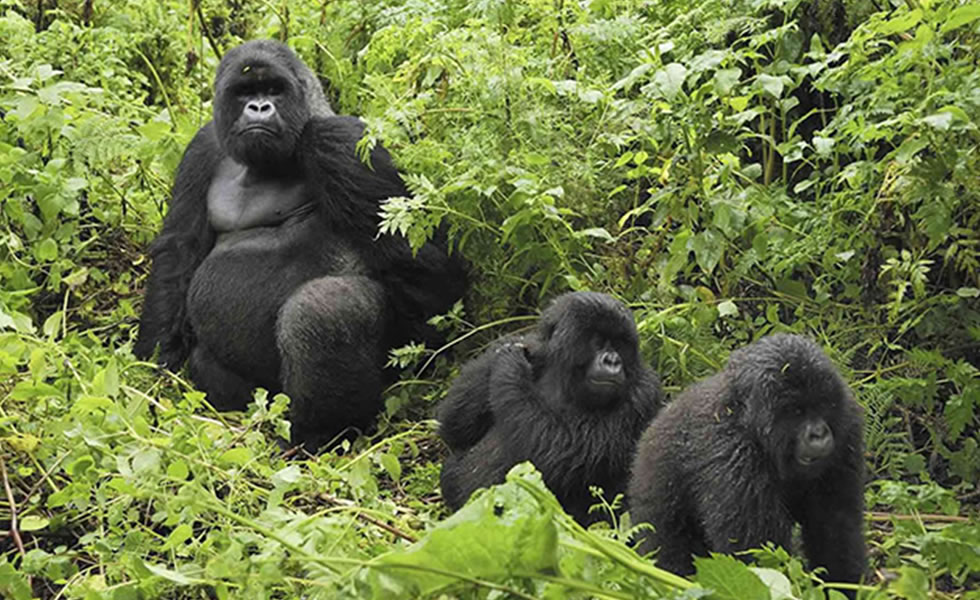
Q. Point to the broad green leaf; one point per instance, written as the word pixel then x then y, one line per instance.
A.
pixel 912 584
pixel 772 85
pixel 669 81
pixel 900 23
pixel 822 145
pixel 178 470
pixel 178 536
pixel 725 80
pixel 391 465
pixel 32 523
pixel 779 586
pixel 960 16
pixel 47 250
pixel 729 578
pixel 237 456
pixel 707 246
pixel 502 531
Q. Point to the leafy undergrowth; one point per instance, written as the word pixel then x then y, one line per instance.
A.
pixel 730 168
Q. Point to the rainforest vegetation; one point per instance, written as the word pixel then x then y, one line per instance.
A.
pixel 726 168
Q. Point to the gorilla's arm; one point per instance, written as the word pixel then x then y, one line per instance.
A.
pixel 180 248
pixel 464 416
pixel 833 520
pixel 424 284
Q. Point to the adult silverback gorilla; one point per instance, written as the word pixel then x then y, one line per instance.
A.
pixel 270 271
pixel 734 461
pixel 572 397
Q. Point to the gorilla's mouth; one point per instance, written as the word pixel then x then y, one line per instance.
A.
pixel 604 381
pixel 263 129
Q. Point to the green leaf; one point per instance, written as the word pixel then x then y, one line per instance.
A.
pixel 778 584
pixel 13 584
pixel 33 523
pixel 727 308
pixel 47 250
pixel 772 85
pixel 168 574
pixel 823 146
pixel 391 466
pixel 707 247
pixel 501 529
pixel 236 456
pixel 912 584
pixel 729 578
pixel 178 536
pixel 669 81
pixel 900 23
pixel 178 470
pixel 146 461
pixel 961 16
pixel 940 121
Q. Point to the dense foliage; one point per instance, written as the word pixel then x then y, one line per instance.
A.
pixel 730 168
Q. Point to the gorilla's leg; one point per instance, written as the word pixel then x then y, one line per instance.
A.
pixel 226 390
pixel 329 335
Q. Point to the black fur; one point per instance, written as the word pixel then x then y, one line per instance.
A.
pixel 719 469
pixel 269 270
pixel 528 398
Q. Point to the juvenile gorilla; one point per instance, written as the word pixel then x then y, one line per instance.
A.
pixel 269 270
pixel 572 398
pixel 776 437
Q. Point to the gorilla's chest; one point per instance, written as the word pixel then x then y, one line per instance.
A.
pixel 271 239
pixel 239 200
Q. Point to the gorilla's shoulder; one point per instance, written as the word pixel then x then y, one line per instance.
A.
pixel 335 132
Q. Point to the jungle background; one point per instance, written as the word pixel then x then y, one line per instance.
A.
pixel 729 168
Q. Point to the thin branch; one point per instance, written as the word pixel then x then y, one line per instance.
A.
pixel 14 533
pixel 360 514
pixel 884 516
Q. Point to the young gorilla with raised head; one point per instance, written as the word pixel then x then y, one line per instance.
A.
pixel 572 397
pixel 270 271
pixel 735 460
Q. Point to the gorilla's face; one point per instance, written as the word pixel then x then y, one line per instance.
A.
pixel 591 349
pixel 259 106
pixel 804 438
